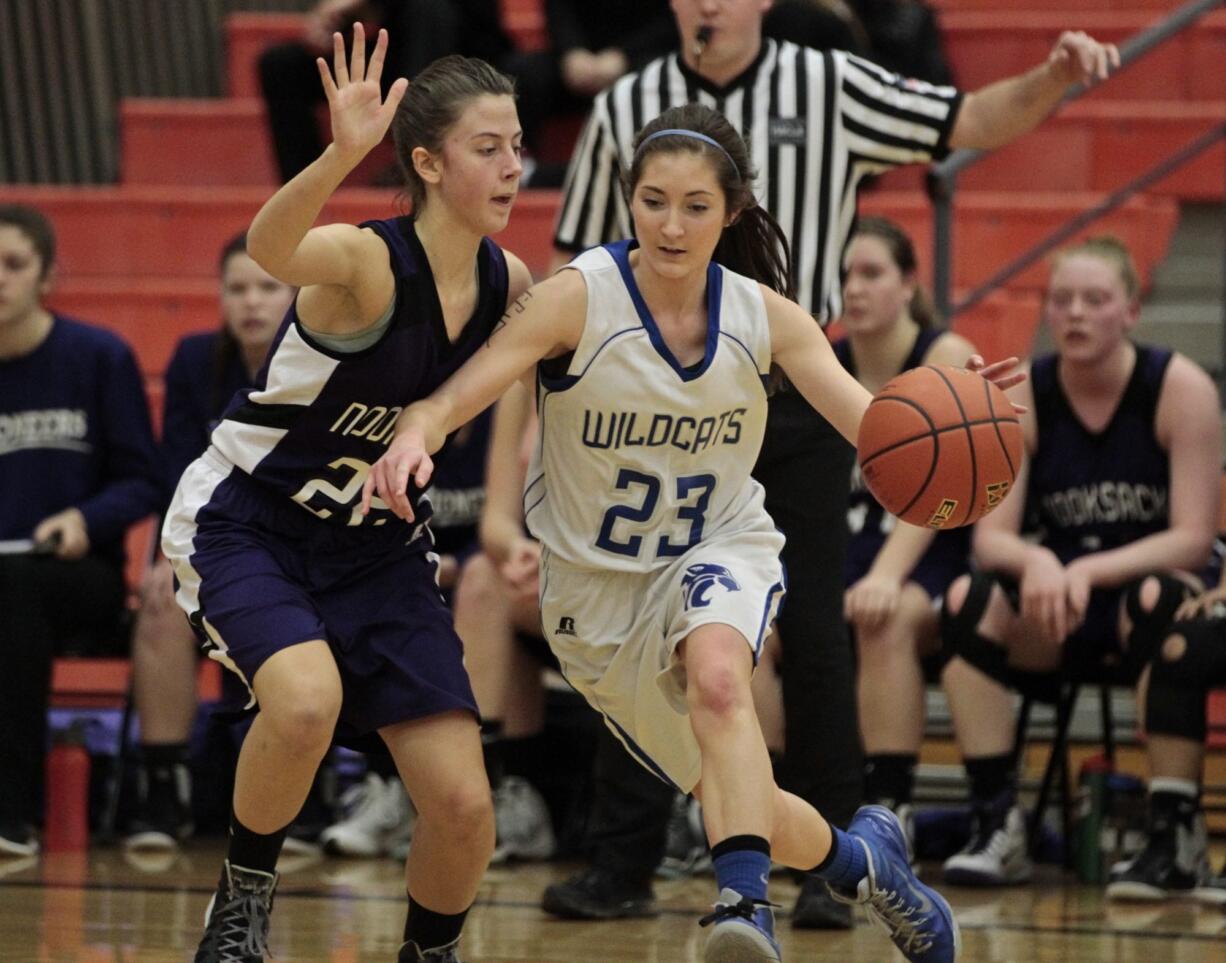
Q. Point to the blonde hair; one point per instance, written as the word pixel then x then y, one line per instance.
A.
pixel 1109 248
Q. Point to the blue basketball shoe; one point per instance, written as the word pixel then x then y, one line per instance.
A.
pixel 918 919
pixel 744 931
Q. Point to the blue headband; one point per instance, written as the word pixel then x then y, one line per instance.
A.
pixel 682 132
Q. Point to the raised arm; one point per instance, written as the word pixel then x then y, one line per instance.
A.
pixel 353 263
pixel 545 322
pixel 998 113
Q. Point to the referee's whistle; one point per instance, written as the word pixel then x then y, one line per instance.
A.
pixel 701 38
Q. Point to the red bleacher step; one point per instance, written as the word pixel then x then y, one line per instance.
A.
pixel 151 314
pixel 177 232
pixel 1089 146
pixel 1100 146
pixel 984 45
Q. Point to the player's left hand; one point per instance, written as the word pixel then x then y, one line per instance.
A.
pixel 1077 58
pixel 871 601
pixel 1003 374
pixel 67 532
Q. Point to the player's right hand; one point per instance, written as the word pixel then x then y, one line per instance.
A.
pixel 360 116
pixel 66 532
pixel 388 477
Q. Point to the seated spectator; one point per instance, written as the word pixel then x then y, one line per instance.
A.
pixel 378 815
pixel 1190 662
pixel 496 615
pixel 77 468
pixel 1120 484
pixel 590 46
pixel 419 32
pixel 894 572
pixel 904 37
pixel 204 373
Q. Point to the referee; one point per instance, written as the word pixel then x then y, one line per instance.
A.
pixel 816 124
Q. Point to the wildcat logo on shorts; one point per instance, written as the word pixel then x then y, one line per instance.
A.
pixel 701 579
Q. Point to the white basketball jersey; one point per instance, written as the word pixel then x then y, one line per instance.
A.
pixel 638 459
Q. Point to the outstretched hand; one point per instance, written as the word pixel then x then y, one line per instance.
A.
pixel 1003 374
pixel 1077 58
pixel 405 459
pixel 360 116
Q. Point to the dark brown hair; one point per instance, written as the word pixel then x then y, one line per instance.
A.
pixel 753 244
pixel 434 101
pixel 34 225
pixel 902 253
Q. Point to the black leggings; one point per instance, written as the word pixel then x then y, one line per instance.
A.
pixel 47 606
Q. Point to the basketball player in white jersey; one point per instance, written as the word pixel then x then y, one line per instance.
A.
pixel 660 568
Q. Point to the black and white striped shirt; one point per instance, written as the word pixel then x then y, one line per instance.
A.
pixel 815 123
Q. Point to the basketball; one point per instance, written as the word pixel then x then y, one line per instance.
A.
pixel 939 446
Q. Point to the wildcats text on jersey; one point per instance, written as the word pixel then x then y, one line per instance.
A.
pixel 633 429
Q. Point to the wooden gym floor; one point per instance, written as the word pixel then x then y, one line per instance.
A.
pixel 100 906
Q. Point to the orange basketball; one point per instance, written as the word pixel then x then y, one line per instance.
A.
pixel 940 446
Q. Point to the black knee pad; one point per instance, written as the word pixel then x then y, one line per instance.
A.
pixel 960 634
pixel 1150 628
pixel 1178 688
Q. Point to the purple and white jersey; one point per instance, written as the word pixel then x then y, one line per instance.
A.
pixel 317 419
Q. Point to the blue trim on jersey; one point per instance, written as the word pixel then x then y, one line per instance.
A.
pixel 778 590
pixel 565 382
pixel 765 378
pixel 620 252
pixel 633 748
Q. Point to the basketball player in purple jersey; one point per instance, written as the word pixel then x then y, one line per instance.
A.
pixel 331 617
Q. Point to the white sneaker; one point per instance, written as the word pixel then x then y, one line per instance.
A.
pixel 906 815
pixel 525 830
pixel 996 854
pixel 379 818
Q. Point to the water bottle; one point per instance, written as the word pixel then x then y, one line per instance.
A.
pixel 66 813
pixel 1091 811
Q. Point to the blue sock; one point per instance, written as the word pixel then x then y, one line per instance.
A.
pixel 845 865
pixel 742 863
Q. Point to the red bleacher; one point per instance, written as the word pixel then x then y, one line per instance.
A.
pixel 140 257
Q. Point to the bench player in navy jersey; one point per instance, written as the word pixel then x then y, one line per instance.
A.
pixel 332 617
pixel 1120 484
pixel 78 466
pixel 660 571
pixel 893 572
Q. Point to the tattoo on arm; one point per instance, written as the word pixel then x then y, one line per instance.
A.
pixel 518 308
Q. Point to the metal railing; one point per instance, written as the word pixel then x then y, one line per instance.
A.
pixel 942 178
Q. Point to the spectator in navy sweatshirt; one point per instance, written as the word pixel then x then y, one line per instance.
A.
pixel 77 468
pixel 205 371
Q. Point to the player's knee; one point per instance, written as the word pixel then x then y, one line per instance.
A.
pixel 717 687
pixel 463 811
pixel 955 596
pixel 1148 610
pixel 304 716
pixel 1184 667
pixel 479 585
pixel 966 601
